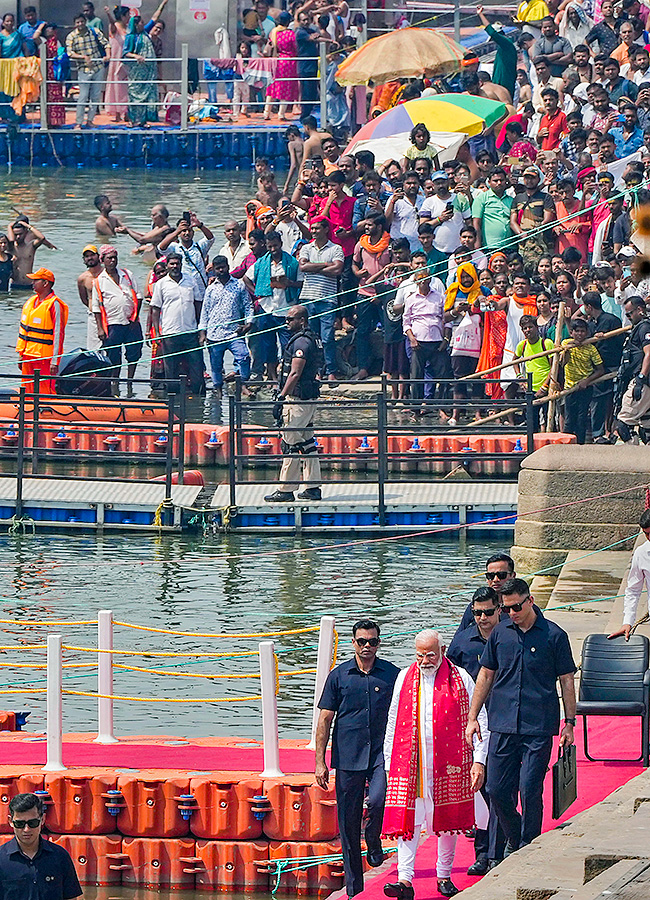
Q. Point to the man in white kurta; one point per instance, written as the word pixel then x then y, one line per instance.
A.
pixel 429 651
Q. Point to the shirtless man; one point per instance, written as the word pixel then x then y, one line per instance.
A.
pixel 26 240
pixel 312 146
pixel 494 91
pixel 105 223
pixel 85 282
pixel 148 240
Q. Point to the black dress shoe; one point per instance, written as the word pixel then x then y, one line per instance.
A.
pixel 447 888
pixel 399 890
pixel 279 497
pixel 310 494
pixel 480 867
pixel 493 863
pixel 375 855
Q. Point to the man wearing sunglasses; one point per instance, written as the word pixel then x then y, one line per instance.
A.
pixel 30 867
pixel 522 661
pixel 465 651
pixel 358 693
pixel 499 568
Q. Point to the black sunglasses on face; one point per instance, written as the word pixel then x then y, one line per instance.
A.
pixel 374 642
pixel 484 612
pixel 500 575
pixel 515 607
pixel 25 823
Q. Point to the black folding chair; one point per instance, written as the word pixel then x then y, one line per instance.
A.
pixel 615 681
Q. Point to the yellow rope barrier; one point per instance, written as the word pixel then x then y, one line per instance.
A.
pixel 23 622
pixel 255 634
pixel 182 674
pixel 25 690
pixel 161 654
pixel 155 699
pixel 336 648
pixel 12 665
pixel 295 672
pixel 24 647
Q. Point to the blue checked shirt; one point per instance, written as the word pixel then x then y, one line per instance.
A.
pixel 225 308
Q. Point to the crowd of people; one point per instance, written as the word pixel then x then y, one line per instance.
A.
pixel 428 269
pixel 455 741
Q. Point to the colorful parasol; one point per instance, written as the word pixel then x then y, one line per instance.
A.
pixel 407 53
pixel 442 113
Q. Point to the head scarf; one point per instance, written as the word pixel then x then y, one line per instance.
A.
pixel 495 256
pixel 583 173
pixel 575 35
pixel 471 294
pixel 133 41
pixel 106 248
pixel 263 211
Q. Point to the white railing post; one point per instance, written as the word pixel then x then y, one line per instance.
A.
pixel 105 733
pixel 43 89
pixel 184 86
pixel 269 711
pixel 323 665
pixel 323 85
pixel 54 761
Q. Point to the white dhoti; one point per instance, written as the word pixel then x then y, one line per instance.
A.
pixel 92 338
pixel 406 850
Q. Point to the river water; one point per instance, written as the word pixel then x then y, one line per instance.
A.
pixel 205 583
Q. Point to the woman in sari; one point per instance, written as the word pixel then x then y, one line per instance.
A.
pixel 286 87
pixel 143 91
pixel 11 41
pixel 55 107
pixel 117 93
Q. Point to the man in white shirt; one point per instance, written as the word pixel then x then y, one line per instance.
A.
pixel 447 212
pixel 235 249
pixel 417 717
pixel 115 302
pixel 425 329
pixel 194 253
pixel 402 211
pixel 637 579
pixel 175 303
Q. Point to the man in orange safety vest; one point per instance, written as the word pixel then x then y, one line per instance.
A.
pixel 41 332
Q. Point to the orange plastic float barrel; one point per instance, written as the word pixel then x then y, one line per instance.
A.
pixel 150 805
pixel 77 804
pixel 300 810
pixel 10 785
pixel 94 856
pixel 158 862
pixel 232 866
pixel 224 807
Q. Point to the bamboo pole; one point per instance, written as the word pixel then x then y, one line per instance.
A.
pixel 555 365
pixel 591 340
pixel 540 401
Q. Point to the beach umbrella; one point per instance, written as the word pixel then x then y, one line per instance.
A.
pixel 444 113
pixel 395 146
pixel 407 53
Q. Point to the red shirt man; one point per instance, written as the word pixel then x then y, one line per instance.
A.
pixel 553 124
pixel 338 207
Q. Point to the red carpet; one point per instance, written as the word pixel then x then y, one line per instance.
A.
pixel 607 737
pixel 163 752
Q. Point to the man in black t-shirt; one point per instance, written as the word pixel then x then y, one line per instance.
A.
pixel 610 350
pixel 633 383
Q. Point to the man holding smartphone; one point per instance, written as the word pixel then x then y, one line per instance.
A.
pixel 447 213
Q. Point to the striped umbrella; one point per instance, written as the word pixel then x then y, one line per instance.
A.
pixel 407 53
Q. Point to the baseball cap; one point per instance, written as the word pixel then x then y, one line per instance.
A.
pixel 89 248
pixel 627 252
pixel 531 170
pixel 440 175
pixel 45 274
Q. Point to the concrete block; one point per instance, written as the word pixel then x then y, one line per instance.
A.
pixel 590 458
pixel 558 536
pixel 533 559
pixel 535 891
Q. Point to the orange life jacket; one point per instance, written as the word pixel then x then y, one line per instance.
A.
pixel 102 308
pixel 36 335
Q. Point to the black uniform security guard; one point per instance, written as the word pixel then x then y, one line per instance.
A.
pixel 32 868
pixel 632 403
pixel 358 693
pixel 522 661
pixel 466 650
pixel 294 410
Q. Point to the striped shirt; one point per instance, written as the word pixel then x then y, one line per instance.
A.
pixel 318 286
pixel 580 362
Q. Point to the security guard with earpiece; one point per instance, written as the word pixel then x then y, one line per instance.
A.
pixel 294 410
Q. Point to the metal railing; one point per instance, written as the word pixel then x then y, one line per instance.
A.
pixel 31 437
pixel 175 91
pixel 380 458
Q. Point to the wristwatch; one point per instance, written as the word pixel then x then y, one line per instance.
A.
pixel 570 721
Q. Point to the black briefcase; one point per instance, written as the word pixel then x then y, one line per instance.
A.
pixel 565 781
